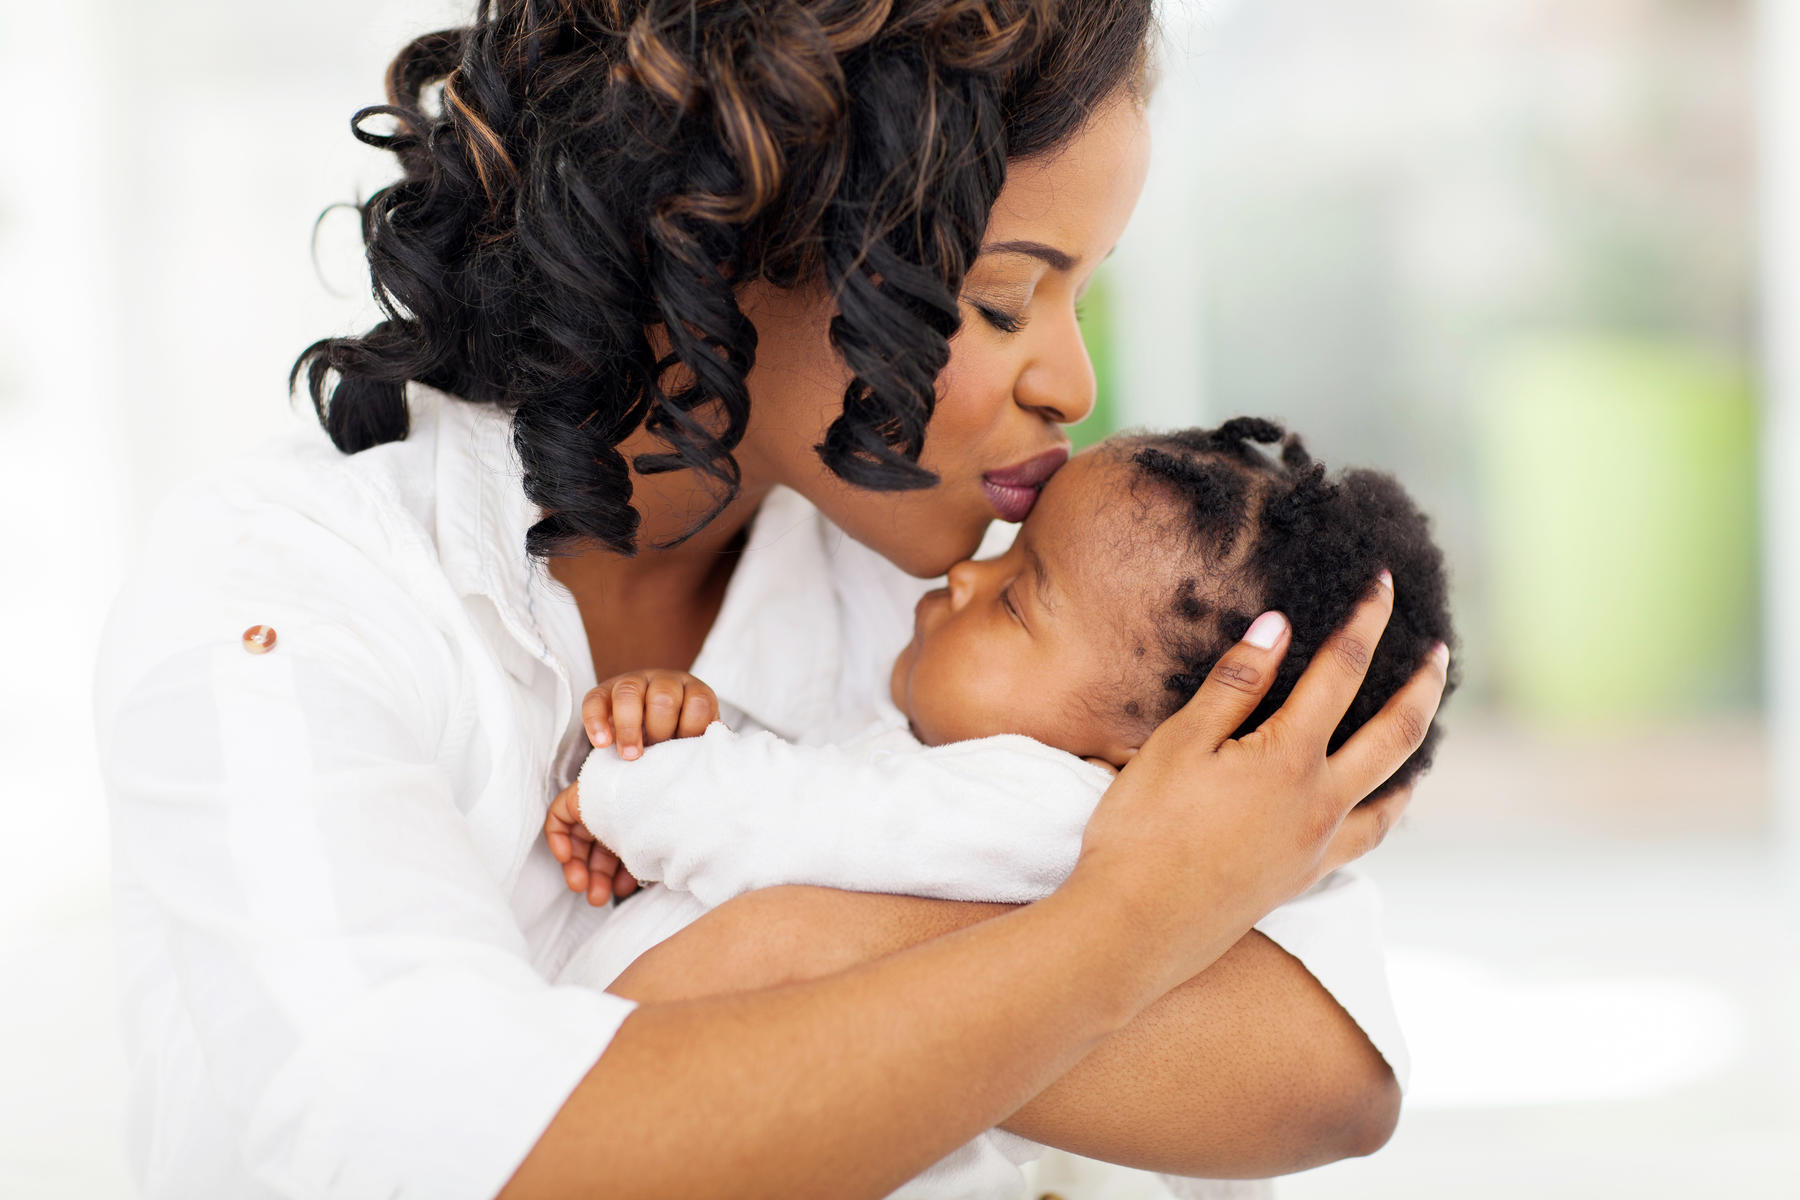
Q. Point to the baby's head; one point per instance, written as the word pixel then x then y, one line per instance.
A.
pixel 1146 558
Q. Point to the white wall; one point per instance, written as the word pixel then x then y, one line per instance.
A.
pixel 163 167
pixel 1779 37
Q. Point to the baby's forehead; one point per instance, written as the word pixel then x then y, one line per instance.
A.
pixel 1113 543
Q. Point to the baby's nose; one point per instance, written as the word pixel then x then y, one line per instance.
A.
pixel 962 583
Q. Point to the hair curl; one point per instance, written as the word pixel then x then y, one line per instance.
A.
pixel 586 184
pixel 1277 532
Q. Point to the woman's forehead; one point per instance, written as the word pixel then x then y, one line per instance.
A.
pixel 1078 198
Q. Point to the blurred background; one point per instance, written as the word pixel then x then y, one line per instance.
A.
pixel 1541 258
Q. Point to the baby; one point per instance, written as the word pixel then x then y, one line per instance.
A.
pixel 1030 678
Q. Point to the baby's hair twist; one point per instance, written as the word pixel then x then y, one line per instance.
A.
pixel 1275 531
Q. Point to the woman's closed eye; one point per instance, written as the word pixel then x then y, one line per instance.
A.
pixel 1004 321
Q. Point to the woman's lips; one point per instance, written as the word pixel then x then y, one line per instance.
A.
pixel 1014 490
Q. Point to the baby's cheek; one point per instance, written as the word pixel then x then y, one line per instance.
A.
pixel 897 678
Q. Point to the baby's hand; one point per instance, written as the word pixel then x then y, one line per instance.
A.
pixel 587 865
pixel 642 708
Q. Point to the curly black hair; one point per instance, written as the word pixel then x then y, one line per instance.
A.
pixel 1276 532
pixel 587 184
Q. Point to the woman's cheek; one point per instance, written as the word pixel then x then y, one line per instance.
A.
pixel 969 403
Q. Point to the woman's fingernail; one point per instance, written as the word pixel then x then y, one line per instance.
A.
pixel 1386 578
pixel 1441 652
pixel 1266 630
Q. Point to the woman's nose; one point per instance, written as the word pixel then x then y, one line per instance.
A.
pixel 1058 384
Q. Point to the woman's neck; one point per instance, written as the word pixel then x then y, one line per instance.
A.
pixel 656 608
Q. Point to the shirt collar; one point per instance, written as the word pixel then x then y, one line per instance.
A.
pixel 773 652
pixel 482 510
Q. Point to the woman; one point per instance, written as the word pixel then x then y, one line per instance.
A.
pixel 682 258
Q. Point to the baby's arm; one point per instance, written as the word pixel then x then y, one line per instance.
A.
pixel 997 819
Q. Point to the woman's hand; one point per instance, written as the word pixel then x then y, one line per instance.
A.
pixel 1202 821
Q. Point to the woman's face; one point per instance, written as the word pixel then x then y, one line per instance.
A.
pixel 1017 371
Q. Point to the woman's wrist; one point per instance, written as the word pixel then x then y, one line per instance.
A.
pixel 1116 950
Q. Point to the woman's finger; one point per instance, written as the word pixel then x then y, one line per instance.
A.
pixel 1235 686
pixel 628 715
pixel 1365 828
pixel 662 708
pixel 1328 685
pixel 1378 749
pixel 596 716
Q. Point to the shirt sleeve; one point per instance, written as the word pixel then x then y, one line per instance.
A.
pixel 997 819
pixel 1335 932
pixel 320 965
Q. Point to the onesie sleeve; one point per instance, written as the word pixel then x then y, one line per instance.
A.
pixel 996 819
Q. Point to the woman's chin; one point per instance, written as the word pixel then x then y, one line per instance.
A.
pixel 934 558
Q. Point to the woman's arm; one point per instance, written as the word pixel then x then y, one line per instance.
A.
pixel 1249 1070
pixel 836 1086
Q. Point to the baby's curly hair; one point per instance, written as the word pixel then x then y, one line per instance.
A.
pixel 585 181
pixel 1277 532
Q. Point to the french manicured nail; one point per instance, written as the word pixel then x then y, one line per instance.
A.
pixel 1386 579
pixel 1266 630
pixel 1441 652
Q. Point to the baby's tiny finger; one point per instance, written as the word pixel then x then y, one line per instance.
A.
pixel 624 882
pixel 700 709
pixel 628 715
pixel 596 716
pixel 662 708
pixel 575 874
pixel 565 809
pixel 601 860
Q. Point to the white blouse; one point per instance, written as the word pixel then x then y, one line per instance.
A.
pixel 337 920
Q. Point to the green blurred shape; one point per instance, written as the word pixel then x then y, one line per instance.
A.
pixel 1621 512
pixel 1098 331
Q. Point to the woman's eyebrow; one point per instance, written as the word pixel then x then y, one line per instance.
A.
pixel 1056 258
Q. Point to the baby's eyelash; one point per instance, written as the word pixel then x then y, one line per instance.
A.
pixel 1006 598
